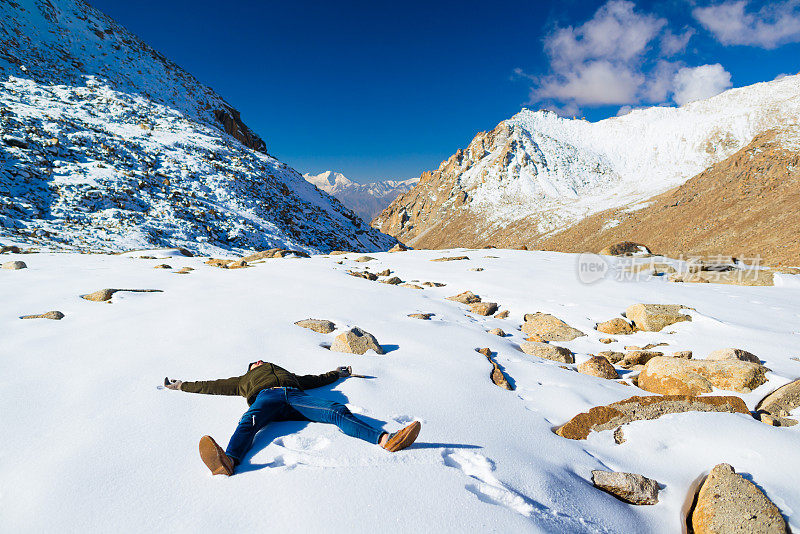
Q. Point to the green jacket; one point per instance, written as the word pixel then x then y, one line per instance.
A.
pixel 252 382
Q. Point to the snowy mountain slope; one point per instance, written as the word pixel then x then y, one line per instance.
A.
pixel 125 150
pixel 548 172
pixel 367 200
pixel 91 444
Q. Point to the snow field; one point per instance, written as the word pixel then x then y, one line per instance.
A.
pixel 91 444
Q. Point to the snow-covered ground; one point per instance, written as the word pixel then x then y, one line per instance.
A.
pixel 90 443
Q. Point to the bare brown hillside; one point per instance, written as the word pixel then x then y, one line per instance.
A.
pixel 747 205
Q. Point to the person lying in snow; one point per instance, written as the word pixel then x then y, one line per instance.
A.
pixel 275 394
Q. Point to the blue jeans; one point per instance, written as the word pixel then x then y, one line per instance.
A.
pixel 290 404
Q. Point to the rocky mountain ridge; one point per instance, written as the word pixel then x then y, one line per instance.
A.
pixel 537 174
pixel 107 145
pixel 368 199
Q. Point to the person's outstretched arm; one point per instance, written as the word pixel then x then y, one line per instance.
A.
pixel 223 386
pixel 315 381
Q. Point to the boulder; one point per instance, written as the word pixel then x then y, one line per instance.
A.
pixel 433 284
pixel 184 270
pixel 616 326
pixel 549 327
pixel 14 265
pixel 683 354
pixel 496 375
pixel 599 367
pixel 467 297
pixel 502 315
pixel 638 408
pixel 13 249
pixel 497 332
pixel 606 340
pixel 612 356
pixel 476 269
pixel 364 259
pixel 394 280
pixel 399 247
pixel 423 316
pixel 628 487
pixel 103 295
pixel 638 357
pixel 385 272
pixel 483 308
pixel 675 376
pixel 781 402
pixel 728 502
pixel 451 258
pixel 547 351
pixel 323 326
pixel 412 286
pixel 356 341
pixel 625 248
pixel 339 252
pixel 733 354
pixel 278 253
pixel 163 266
pixel 365 275
pixel 54 315
pixel 654 317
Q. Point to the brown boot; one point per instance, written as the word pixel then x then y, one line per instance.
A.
pixel 403 438
pixel 214 457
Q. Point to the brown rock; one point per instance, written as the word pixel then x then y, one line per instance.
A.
pixel 364 275
pixel 13 249
pixel 496 375
pixel 364 259
pixel 625 248
pixel 467 297
pixel 104 295
pixel 476 269
pixel 399 247
pixel 616 326
pixel 733 354
pixel 638 357
pixel 278 253
pixel 683 354
pixel 483 308
pixel 727 502
pixel 781 401
pixel 628 487
pixel 394 280
pixel 607 340
pixel 638 408
pixel 184 270
pixel 54 315
pixel 612 356
pixel 433 284
pixel 14 265
pixel 163 266
pixel 451 258
pixel 217 262
pixel 423 316
pixel 654 317
pixel 675 376
pixel 340 252
pixel 322 326
pixel 385 272
pixel 412 286
pixel 501 315
pixel 547 351
pixel 356 341
pixel 497 332
pixel 599 367
pixel 549 327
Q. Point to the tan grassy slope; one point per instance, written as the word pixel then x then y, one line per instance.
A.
pixel 747 205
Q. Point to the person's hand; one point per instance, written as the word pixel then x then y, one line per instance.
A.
pixel 172 384
pixel 344 372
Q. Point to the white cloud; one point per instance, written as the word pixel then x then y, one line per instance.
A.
pixel 672 43
pixel 775 24
pixel 701 82
pixel 594 83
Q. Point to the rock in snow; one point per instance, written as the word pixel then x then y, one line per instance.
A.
pixel 654 317
pixel 629 487
pixel 676 376
pixel 727 502
pixel 323 326
pixel 356 341
pixel 550 328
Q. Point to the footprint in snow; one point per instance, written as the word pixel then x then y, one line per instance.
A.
pixel 302 443
pixel 406 419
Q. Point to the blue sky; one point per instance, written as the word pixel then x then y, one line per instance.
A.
pixel 388 90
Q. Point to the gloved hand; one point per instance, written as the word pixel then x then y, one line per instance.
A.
pixel 172 384
pixel 344 372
